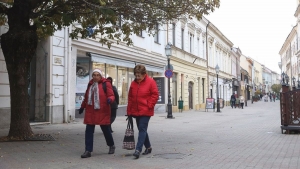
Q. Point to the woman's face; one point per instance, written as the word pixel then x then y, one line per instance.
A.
pixel 139 76
pixel 96 77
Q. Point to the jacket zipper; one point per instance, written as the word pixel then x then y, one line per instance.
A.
pixel 137 107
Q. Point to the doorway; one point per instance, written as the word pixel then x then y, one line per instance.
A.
pixel 190 90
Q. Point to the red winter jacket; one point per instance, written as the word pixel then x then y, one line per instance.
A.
pixel 142 97
pixel 98 116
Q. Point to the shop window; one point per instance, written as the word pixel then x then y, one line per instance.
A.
pixel 122 85
pixel 100 66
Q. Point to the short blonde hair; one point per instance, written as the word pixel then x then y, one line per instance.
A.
pixel 139 69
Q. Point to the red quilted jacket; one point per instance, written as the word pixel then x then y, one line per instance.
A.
pixel 98 116
pixel 142 97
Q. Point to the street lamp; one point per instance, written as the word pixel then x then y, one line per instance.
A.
pixel 168 51
pixel 218 102
pixel 282 78
pixel 246 92
pixel 294 82
pixel 280 65
pixel 287 79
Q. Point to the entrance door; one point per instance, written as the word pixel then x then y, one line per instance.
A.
pixel 191 95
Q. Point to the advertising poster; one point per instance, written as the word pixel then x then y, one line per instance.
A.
pixel 160 82
pixel 82 76
pixel 210 103
pixel 82 80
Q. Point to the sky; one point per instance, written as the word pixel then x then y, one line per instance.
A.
pixel 258 27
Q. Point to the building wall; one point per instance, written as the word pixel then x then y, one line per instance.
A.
pixel 189 61
pixel 219 53
pixel 4 89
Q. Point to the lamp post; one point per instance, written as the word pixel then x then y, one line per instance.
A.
pixel 293 83
pixel 280 65
pixel 246 90
pixel 218 102
pixel 168 51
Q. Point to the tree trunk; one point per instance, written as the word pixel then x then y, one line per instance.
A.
pixel 18 46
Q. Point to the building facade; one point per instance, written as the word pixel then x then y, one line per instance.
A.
pixel 219 53
pixel 189 63
pixel 236 70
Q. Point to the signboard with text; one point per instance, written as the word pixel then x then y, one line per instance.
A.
pixel 210 104
pixel 160 82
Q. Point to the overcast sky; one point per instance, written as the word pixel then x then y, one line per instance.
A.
pixel 258 27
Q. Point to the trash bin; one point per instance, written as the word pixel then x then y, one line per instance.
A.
pixel 180 104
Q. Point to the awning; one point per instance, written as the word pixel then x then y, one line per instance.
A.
pixel 110 60
pixel 124 63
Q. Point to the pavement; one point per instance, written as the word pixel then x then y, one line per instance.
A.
pixel 247 138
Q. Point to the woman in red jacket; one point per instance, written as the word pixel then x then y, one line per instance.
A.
pixel 142 97
pixel 97 111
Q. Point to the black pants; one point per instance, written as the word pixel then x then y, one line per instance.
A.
pixel 89 136
pixel 242 105
pixel 112 117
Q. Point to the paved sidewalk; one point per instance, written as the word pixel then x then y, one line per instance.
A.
pixel 235 138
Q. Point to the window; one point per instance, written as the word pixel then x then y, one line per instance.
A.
pixel 156 36
pixel 198 45
pixel 174 89
pixel 182 39
pixel 191 43
pixel 203 81
pixel 173 33
pixel 119 22
pixel 203 49
pixel 140 34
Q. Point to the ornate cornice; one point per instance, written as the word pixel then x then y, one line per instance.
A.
pixel 183 21
pixel 199 30
pixel 211 39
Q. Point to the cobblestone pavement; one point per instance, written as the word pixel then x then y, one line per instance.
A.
pixel 235 138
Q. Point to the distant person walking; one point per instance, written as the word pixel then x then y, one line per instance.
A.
pixel 232 100
pixel 114 104
pixel 97 105
pixel 142 97
pixel 242 101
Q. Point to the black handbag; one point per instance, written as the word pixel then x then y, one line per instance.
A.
pixel 128 142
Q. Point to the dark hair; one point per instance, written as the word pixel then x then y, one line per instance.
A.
pixel 139 69
pixel 110 79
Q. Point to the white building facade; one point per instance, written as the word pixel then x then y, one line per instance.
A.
pixel 219 53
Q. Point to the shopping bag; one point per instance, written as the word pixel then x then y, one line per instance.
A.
pixel 128 142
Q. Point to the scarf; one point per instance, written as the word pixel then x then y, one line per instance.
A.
pixel 94 92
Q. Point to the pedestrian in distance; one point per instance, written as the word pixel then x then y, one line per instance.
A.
pixel 274 96
pixel 142 97
pixel 97 111
pixel 114 104
pixel 232 100
pixel 242 101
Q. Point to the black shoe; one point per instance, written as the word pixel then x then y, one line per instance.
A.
pixel 112 149
pixel 86 154
pixel 136 154
pixel 147 151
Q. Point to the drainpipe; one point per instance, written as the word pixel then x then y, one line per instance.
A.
pixel 66 114
pixel 207 57
pixel 291 64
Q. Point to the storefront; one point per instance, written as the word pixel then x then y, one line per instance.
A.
pixel 121 71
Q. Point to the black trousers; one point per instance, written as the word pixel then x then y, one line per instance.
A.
pixel 112 117
pixel 89 136
pixel 242 105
